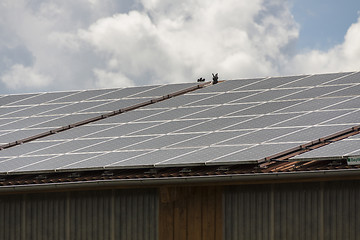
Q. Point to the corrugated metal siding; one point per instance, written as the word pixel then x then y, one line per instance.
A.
pixel 112 214
pixel 326 210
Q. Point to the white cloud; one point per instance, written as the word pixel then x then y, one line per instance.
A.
pixel 111 79
pixel 343 57
pixel 20 77
pixel 91 43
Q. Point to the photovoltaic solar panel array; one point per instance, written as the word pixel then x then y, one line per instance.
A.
pixel 235 121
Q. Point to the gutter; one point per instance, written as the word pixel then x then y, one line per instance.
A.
pixel 208 180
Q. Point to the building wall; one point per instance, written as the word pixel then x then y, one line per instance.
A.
pixel 107 214
pixel 191 213
pixel 320 210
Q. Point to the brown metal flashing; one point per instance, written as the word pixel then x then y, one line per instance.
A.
pixel 102 116
pixel 285 155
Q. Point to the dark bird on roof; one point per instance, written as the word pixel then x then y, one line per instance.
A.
pixel 201 79
pixel 215 78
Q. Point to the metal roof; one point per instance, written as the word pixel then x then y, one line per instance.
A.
pixel 246 121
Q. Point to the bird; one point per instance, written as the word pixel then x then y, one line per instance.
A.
pixel 201 79
pixel 215 78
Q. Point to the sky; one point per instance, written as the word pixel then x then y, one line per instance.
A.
pixel 61 45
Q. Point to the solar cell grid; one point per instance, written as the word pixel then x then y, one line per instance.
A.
pixel 312 92
pixel 20 123
pixel 27 148
pixel 351 78
pixel 18 162
pixel 168 127
pixel 122 93
pixel 60 121
pixel 267 107
pixel 12 136
pixel 262 121
pixel 42 98
pixel 105 145
pixel 229 85
pixel 353 118
pixel 271 82
pixel 310 133
pixel 68 146
pixel 182 100
pixel 346 91
pixel 258 136
pixel 201 156
pixel 101 160
pixel 313 118
pixel 353 103
pixel 34 110
pixel 269 95
pixel 315 80
pixel 253 153
pixel 333 150
pixel 222 98
pixel 163 90
pixel 313 104
pixel 73 108
pixel 54 162
pixel 6 110
pixel 77 132
pixel 121 130
pixel 13 99
pixel 162 141
pixel 208 139
pixel 152 158
pixel 174 114
pixel 82 95
pixel 217 111
pixel 213 124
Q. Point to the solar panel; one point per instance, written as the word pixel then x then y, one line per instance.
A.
pixel 349 91
pixel 213 124
pixel 208 139
pixel 27 148
pixel 238 121
pixel 82 95
pixel 315 80
pixel 353 103
pixel 312 118
pixel 162 141
pixel 201 156
pixel 313 92
pixel 217 111
pixel 99 161
pixel 334 150
pixel 174 113
pixel 121 130
pixel 168 127
pixel 34 110
pixel 222 98
pixel 12 99
pixel 269 95
pixel 352 78
pixel 271 82
pixel 262 121
pixel 52 163
pixel 42 98
pixel 18 162
pixel 313 104
pixel 258 136
pixel 253 153
pixel 268 107
pixel 152 158
pixel 112 144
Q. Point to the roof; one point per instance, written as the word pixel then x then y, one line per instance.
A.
pixel 236 123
